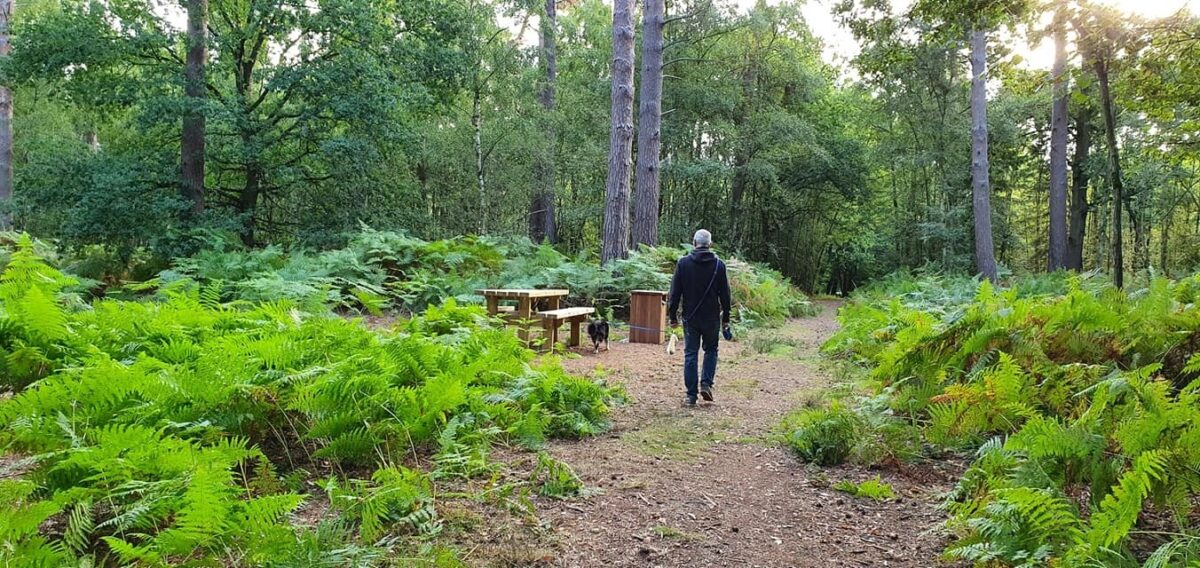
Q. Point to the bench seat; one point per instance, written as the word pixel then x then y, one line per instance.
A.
pixel 552 319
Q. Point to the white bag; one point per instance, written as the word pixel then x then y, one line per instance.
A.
pixel 671 344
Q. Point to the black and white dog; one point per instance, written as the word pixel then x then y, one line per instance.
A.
pixel 598 332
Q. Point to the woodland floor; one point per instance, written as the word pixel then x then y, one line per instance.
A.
pixel 709 486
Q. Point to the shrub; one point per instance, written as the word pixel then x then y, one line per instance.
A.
pixel 1055 383
pixel 823 436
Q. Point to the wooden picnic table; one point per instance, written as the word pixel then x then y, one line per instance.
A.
pixel 525 299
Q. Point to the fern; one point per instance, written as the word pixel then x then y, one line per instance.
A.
pixel 148 417
pixel 556 479
pixel 1066 370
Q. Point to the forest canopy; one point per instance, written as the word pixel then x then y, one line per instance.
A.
pixel 492 117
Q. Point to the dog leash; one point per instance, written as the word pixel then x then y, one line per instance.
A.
pixel 650 329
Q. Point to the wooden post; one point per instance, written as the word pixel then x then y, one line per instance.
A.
pixel 575 332
pixel 523 315
pixel 550 325
pixel 493 305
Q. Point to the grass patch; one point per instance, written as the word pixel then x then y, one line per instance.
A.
pixel 773 345
pixel 741 387
pixel 673 533
pixel 683 439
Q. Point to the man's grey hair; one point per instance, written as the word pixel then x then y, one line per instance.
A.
pixel 702 239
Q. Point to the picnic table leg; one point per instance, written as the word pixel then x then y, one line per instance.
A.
pixel 493 305
pixel 551 335
pixel 523 316
pixel 553 302
pixel 574 333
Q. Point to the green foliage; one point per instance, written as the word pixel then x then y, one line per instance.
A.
pixel 396 498
pixel 378 270
pixel 1055 381
pixel 313 139
pixel 874 489
pixel 556 479
pixel 159 425
pixel 824 436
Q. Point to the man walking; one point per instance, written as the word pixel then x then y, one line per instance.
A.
pixel 702 286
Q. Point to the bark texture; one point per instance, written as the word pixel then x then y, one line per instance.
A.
pixel 6 133
pixel 645 201
pixel 542 223
pixel 192 140
pixel 1114 172
pixel 477 144
pixel 985 256
pixel 1058 151
pixel 616 202
pixel 1079 188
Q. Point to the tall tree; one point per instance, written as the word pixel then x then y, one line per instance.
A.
pixel 985 254
pixel 1114 169
pixel 616 201
pixel 6 115
pixel 975 18
pixel 1079 187
pixel 1058 146
pixel 1102 35
pixel 645 201
pixel 192 140
pixel 542 224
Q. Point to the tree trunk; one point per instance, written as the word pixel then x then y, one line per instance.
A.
pixel 1079 189
pixel 542 224
pixel 192 140
pixel 477 142
pixel 985 259
pixel 1141 235
pixel 247 204
pixel 1114 172
pixel 616 205
pixel 1164 255
pixel 6 113
pixel 1058 150
pixel 645 202
pixel 741 154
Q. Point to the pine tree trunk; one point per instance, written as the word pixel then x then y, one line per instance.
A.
pixel 542 223
pixel 1058 151
pixel 985 259
pixel 1114 172
pixel 1079 189
pixel 6 113
pixel 616 203
pixel 192 139
pixel 645 202
pixel 477 143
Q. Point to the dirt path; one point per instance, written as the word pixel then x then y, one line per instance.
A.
pixel 708 487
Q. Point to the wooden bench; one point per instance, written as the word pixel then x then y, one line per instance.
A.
pixel 505 314
pixel 552 319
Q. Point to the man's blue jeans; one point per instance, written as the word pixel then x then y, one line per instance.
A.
pixel 695 336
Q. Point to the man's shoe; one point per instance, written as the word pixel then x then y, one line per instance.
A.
pixel 706 393
pixel 689 402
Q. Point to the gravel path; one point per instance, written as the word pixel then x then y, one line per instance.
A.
pixel 708 486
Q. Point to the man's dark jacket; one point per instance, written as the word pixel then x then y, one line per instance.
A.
pixel 692 276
